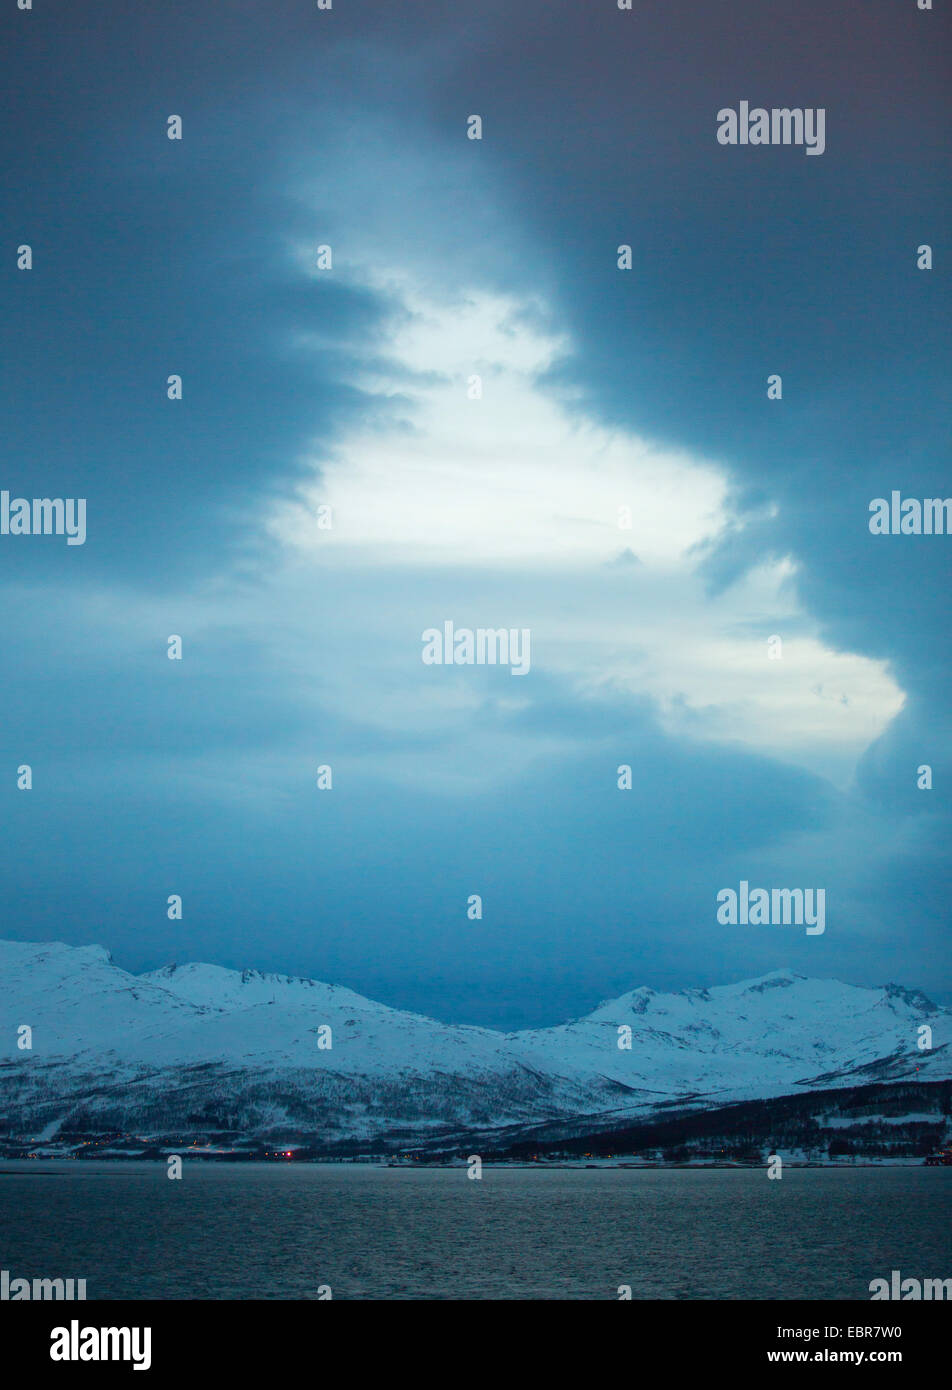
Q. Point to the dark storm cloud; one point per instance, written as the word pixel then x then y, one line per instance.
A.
pixel 754 261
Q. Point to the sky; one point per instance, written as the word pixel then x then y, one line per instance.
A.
pixel 607 396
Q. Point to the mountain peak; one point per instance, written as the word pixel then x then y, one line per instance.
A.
pixel 913 997
pixel 774 979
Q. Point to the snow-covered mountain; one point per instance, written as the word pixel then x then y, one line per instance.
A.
pixel 197 1048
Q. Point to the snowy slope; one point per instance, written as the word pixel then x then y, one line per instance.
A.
pixel 198 1047
pixel 761 1037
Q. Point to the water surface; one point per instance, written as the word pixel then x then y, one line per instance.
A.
pixel 268 1231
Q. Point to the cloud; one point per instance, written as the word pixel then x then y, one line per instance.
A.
pixel 520 483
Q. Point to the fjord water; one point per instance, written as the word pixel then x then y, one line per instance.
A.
pixel 239 1231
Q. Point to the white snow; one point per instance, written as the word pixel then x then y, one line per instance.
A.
pixel 771 1036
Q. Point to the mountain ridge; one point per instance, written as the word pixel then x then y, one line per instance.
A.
pixel 195 1047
